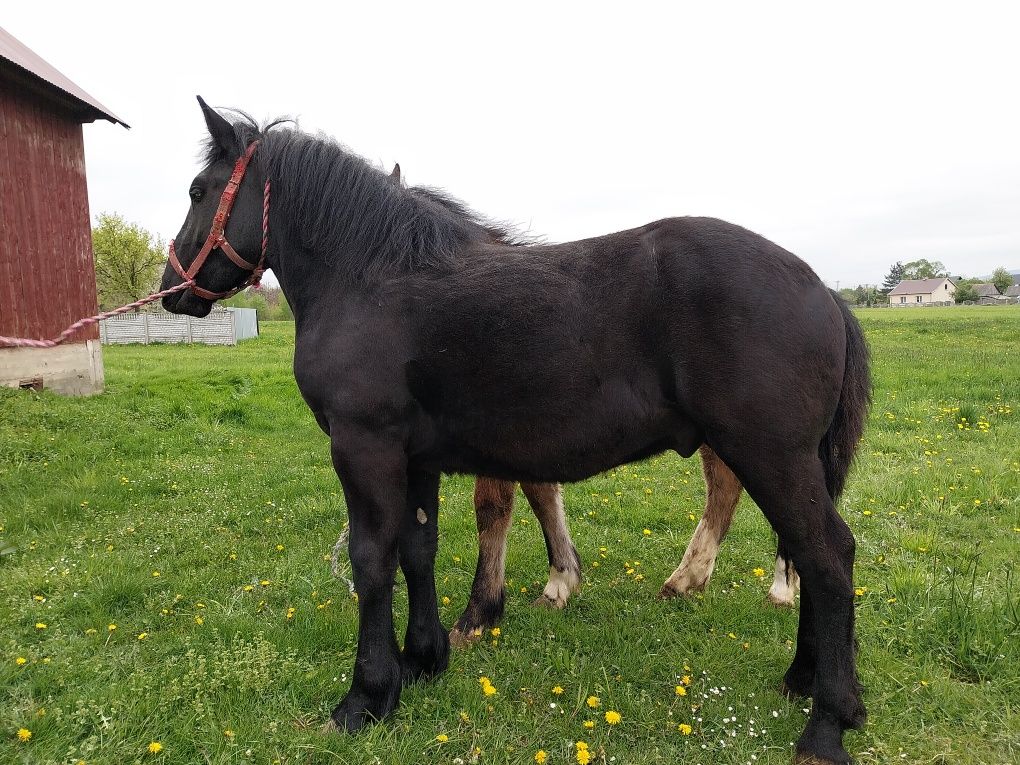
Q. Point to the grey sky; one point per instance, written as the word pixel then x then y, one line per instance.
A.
pixel 854 136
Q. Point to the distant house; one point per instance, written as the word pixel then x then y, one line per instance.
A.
pixel 1013 291
pixel 988 294
pixel 922 292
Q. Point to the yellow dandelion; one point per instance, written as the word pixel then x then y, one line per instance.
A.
pixel 24 734
pixel 496 631
pixel 613 717
pixel 21 661
pixel 199 620
pixel 685 729
pixel 589 724
pixel 557 691
pixel 731 636
pixel 446 601
pixel 541 756
pixel 646 532
pixel 143 635
pixel 489 690
pixel 111 627
pixel 442 738
pixel 228 733
pixel 583 756
pixel 593 702
pixel 680 690
pixel 759 572
pixel 155 574
pixel 40 625
pixel 686 679
pixel 279 548
pixel 155 747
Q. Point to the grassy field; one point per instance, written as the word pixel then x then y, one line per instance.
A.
pixel 165 582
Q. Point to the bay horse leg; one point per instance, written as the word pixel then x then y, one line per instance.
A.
pixel 426 644
pixel 546 500
pixel 790 488
pixel 785 580
pixel 373 473
pixel 722 492
pixel 494 504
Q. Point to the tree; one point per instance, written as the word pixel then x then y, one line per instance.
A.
pixel 894 277
pixel 924 269
pixel 129 261
pixel 1002 279
pixel 965 291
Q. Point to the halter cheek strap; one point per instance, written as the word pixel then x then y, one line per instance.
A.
pixel 217 238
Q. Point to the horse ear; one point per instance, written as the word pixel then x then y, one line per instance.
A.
pixel 222 132
pixel 395 175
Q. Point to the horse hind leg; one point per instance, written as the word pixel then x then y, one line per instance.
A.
pixel 785 580
pixel 722 492
pixel 494 504
pixel 790 488
pixel 546 500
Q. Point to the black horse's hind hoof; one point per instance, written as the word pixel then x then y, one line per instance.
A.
pixel 821 743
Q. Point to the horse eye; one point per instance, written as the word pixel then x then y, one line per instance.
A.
pixel 196 194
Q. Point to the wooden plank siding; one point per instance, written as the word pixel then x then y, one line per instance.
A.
pixel 47 277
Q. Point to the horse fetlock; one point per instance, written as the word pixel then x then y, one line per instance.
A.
pixel 361 707
pixel 559 587
pixel 424 659
pixel 686 580
pixel 822 742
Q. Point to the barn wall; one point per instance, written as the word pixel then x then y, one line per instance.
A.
pixel 47 278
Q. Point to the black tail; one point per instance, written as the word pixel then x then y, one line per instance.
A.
pixel 840 442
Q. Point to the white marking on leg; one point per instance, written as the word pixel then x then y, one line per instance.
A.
pixel 783 591
pixel 422 518
pixel 696 567
pixel 561 584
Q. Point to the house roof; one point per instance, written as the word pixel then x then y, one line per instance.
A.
pixel 1013 290
pixel 40 73
pixel 986 290
pixel 915 286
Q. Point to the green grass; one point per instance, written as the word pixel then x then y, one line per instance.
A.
pixel 204 465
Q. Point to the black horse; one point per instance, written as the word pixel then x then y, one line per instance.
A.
pixel 423 348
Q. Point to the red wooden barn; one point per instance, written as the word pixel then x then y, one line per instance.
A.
pixel 47 277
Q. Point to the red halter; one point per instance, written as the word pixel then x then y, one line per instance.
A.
pixel 218 239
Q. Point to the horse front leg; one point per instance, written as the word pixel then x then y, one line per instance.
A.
pixel 373 473
pixel 426 644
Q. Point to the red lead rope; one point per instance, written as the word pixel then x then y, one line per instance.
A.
pixel 216 239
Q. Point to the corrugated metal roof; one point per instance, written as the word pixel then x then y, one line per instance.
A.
pixel 915 286
pixel 20 55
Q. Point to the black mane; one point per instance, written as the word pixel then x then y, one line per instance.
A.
pixel 351 214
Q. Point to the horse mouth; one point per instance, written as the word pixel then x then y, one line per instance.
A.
pixel 188 303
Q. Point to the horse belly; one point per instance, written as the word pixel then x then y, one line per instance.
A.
pixel 559 440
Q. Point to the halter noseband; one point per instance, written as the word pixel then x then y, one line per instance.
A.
pixel 217 238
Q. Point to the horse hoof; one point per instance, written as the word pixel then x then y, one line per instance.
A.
pixel 464 638
pixel 670 591
pixel 781 600
pixel 544 601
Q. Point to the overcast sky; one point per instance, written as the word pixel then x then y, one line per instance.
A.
pixel 853 137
